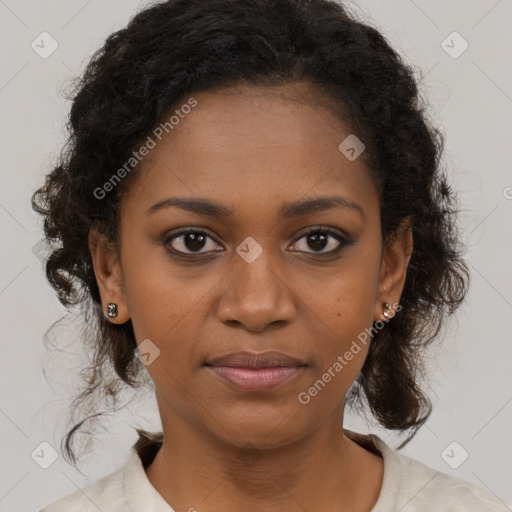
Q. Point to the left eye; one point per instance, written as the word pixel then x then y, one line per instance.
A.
pixel 319 240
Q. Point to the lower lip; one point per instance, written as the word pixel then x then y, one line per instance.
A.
pixel 262 379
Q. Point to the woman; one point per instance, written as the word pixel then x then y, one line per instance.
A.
pixel 252 204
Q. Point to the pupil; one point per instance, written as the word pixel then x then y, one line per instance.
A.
pixel 194 241
pixel 317 239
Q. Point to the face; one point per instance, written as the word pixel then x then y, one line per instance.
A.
pixel 265 268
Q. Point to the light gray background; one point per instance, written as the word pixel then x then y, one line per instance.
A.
pixel 470 379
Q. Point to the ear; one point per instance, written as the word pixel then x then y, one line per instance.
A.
pixel 395 259
pixel 107 269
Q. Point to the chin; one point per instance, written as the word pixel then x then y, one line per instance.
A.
pixel 259 430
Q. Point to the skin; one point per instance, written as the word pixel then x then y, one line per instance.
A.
pixel 252 151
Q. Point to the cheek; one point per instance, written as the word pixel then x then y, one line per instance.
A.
pixel 158 294
pixel 346 301
pixel 344 315
pixel 339 357
pixel 168 305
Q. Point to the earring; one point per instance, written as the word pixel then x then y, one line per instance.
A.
pixel 112 310
pixel 385 305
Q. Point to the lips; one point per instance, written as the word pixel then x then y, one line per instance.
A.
pixel 268 359
pixel 253 372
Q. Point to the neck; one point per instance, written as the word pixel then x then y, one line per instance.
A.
pixel 324 471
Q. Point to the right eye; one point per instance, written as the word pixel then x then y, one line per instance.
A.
pixel 190 242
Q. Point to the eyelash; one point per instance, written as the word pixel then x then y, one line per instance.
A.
pixel 344 241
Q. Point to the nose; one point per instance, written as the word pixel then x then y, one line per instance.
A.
pixel 256 296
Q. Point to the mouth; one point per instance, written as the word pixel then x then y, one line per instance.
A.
pixel 254 372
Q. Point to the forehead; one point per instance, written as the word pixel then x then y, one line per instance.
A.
pixel 254 143
pixel 242 117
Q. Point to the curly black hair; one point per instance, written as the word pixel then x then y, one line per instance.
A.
pixel 172 49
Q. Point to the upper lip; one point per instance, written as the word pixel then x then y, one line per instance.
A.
pixel 268 359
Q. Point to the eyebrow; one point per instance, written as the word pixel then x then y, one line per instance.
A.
pixel 287 210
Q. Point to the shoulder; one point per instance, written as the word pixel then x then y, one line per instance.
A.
pixel 104 494
pixel 124 490
pixel 420 488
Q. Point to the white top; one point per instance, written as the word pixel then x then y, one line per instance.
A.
pixel 408 486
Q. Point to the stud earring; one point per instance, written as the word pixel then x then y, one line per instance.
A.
pixel 112 310
pixel 385 305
